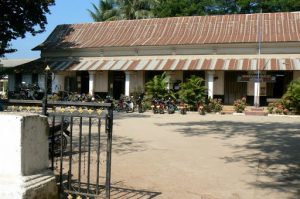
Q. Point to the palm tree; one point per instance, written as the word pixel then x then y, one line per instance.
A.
pixel 137 9
pixel 157 87
pixel 193 91
pixel 106 11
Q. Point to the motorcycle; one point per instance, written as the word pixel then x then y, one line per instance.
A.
pixel 58 138
pixel 139 103
pixel 155 106
pixel 30 91
pixel 201 109
pixel 126 105
pixel 171 107
pixel 183 108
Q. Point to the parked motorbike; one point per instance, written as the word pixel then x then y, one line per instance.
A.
pixel 201 109
pixel 57 139
pixel 155 106
pixel 171 107
pixel 140 104
pixel 30 91
pixel 183 108
pixel 125 105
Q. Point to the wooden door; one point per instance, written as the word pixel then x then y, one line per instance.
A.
pixel 234 90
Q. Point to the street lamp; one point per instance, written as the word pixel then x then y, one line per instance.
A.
pixel 47 70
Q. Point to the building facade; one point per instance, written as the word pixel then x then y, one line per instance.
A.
pixel 252 55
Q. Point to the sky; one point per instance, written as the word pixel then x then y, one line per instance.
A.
pixel 63 12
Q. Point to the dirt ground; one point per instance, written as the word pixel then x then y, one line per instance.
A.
pixel 205 157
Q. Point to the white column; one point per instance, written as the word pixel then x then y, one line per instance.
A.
pixel 127 83
pixel 91 82
pixel 24 160
pixel 58 81
pixel 256 93
pixel 11 82
pixel 169 74
pixel 210 83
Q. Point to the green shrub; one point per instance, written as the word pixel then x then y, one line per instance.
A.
pixel 240 105
pixel 157 87
pixel 291 99
pixel 214 105
pixel 277 108
pixel 193 91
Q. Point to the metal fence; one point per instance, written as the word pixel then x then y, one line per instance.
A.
pixel 79 152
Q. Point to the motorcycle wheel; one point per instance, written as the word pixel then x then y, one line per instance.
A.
pixel 171 111
pixel 58 142
pixel 141 109
pixel 161 111
pixel 183 111
pixel 128 110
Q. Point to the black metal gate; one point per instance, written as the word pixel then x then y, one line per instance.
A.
pixel 79 153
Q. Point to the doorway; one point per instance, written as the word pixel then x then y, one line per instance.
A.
pixel 116 84
pixel 83 82
pixel 233 89
pixel 279 87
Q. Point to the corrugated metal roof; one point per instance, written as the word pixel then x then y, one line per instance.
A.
pixel 14 62
pixel 237 28
pixel 180 62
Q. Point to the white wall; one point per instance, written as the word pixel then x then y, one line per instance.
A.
pixel 296 75
pixel 41 81
pixel 101 81
pixel 58 83
pixel 177 75
pixel 27 78
pixel 219 83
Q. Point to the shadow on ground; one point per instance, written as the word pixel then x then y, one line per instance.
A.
pixel 116 191
pixel 274 148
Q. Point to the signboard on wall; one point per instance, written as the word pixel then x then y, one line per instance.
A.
pixel 263 89
pixel 254 78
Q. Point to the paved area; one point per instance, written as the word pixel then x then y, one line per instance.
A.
pixel 205 157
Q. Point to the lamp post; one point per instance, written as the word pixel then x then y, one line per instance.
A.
pixel 44 111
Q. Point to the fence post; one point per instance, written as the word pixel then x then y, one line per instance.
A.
pixel 44 111
pixel 24 169
pixel 109 128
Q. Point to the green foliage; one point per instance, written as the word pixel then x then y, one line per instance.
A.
pixel 240 105
pixel 109 10
pixel 157 87
pixel 214 105
pixel 291 98
pixel 251 6
pixel 19 17
pixel 174 8
pixel 193 91
pixel 277 108
pixel 136 9
pixel 105 11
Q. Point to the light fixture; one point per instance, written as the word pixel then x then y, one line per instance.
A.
pixel 47 68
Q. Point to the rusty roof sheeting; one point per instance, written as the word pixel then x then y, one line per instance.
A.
pixel 173 63
pixel 194 30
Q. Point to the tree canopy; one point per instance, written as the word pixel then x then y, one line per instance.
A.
pixel 108 10
pixel 19 17
pixel 138 9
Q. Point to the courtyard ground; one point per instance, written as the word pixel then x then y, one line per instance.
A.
pixel 205 157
